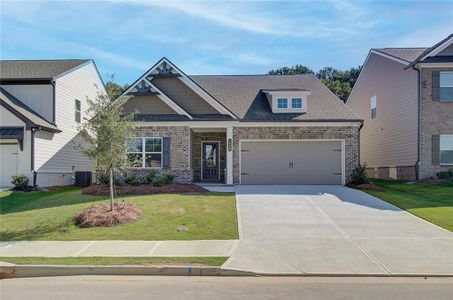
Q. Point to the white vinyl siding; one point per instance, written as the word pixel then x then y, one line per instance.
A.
pixel 36 96
pixel 59 152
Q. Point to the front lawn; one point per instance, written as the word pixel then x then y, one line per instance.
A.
pixel 204 261
pixel 49 216
pixel 433 203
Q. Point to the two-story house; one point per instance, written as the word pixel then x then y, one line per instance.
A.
pixel 405 97
pixel 42 102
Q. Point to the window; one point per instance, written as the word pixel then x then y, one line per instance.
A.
pixel 446 86
pixel 145 152
pixel 446 149
pixel 296 103
pixel 78 109
pixel 282 103
pixel 373 107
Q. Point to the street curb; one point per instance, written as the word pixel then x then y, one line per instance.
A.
pixel 20 271
pixel 23 271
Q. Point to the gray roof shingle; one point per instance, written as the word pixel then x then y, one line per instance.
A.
pixel 407 54
pixel 243 95
pixel 36 69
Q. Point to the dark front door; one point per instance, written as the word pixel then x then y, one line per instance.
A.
pixel 210 162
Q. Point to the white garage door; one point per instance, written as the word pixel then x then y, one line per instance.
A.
pixel 291 162
pixel 8 163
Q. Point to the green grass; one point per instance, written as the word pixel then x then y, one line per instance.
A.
pixel 49 216
pixel 433 203
pixel 205 261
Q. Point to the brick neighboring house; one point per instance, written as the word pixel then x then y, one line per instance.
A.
pixel 405 96
pixel 249 129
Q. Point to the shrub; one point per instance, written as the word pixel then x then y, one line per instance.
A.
pixel 20 181
pixel 359 175
pixel 158 182
pixel 168 178
pixel 132 180
pixel 104 178
pixel 445 174
pixel 150 176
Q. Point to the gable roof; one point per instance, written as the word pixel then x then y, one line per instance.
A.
pixel 165 68
pixel 406 54
pixel 23 112
pixel 434 50
pixel 244 96
pixel 37 69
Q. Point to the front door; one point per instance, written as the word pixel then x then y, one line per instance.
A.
pixel 210 161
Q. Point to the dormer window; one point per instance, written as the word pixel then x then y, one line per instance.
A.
pixel 296 103
pixel 291 100
pixel 282 102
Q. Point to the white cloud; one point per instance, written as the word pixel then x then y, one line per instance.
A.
pixel 254 59
pixel 426 37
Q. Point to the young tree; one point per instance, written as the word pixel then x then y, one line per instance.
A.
pixel 107 132
pixel 114 90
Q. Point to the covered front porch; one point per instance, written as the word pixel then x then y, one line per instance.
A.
pixel 212 154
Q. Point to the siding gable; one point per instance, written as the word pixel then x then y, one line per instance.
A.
pixel 183 95
pixel 446 52
pixel 148 105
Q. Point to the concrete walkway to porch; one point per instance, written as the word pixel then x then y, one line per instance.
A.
pixel 197 248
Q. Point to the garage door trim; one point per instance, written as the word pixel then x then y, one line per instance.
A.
pixel 343 178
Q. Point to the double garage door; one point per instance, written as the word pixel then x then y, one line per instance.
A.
pixel 291 162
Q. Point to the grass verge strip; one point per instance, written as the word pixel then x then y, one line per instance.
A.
pixel 204 261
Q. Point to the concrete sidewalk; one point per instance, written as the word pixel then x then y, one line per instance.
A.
pixel 198 248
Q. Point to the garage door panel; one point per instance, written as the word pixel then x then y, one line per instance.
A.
pixel 291 162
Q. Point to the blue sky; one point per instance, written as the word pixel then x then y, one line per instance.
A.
pixel 252 37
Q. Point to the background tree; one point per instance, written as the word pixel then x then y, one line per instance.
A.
pixel 114 90
pixel 297 69
pixel 107 132
pixel 338 81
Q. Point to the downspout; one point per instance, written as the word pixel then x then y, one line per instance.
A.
pixel 53 82
pixel 32 151
pixel 360 127
pixel 419 100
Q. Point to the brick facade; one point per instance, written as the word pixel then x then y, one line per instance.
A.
pixel 185 153
pixel 197 138
pixel 179 154
pixel 436 118
pixel 349 134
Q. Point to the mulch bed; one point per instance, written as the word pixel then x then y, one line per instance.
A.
pixel 100 215
pixel 367 186
pixel 142 189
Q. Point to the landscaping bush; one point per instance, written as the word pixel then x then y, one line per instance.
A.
pixel 150 176
pixel 132 180
pixel 158 182
pixel 168 178
pixel 104 178
pixel 20 181
pixel 359 175
pixel 445 174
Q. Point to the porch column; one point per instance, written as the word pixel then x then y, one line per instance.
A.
pixel 229 156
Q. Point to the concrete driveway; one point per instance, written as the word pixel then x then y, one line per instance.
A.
pixel 333 229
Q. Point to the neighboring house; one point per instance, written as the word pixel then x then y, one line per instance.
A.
pixel 41 104
pixel 244 129
pixel 405 96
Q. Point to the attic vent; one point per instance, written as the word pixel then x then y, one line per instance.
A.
pixel 164 69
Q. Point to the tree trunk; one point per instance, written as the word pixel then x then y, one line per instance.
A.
pixel 111 189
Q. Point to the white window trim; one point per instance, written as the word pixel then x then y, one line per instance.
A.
pixel 282 98
pixel 440 150
pixel 373 105
pixel 143 152
pixel 301 103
